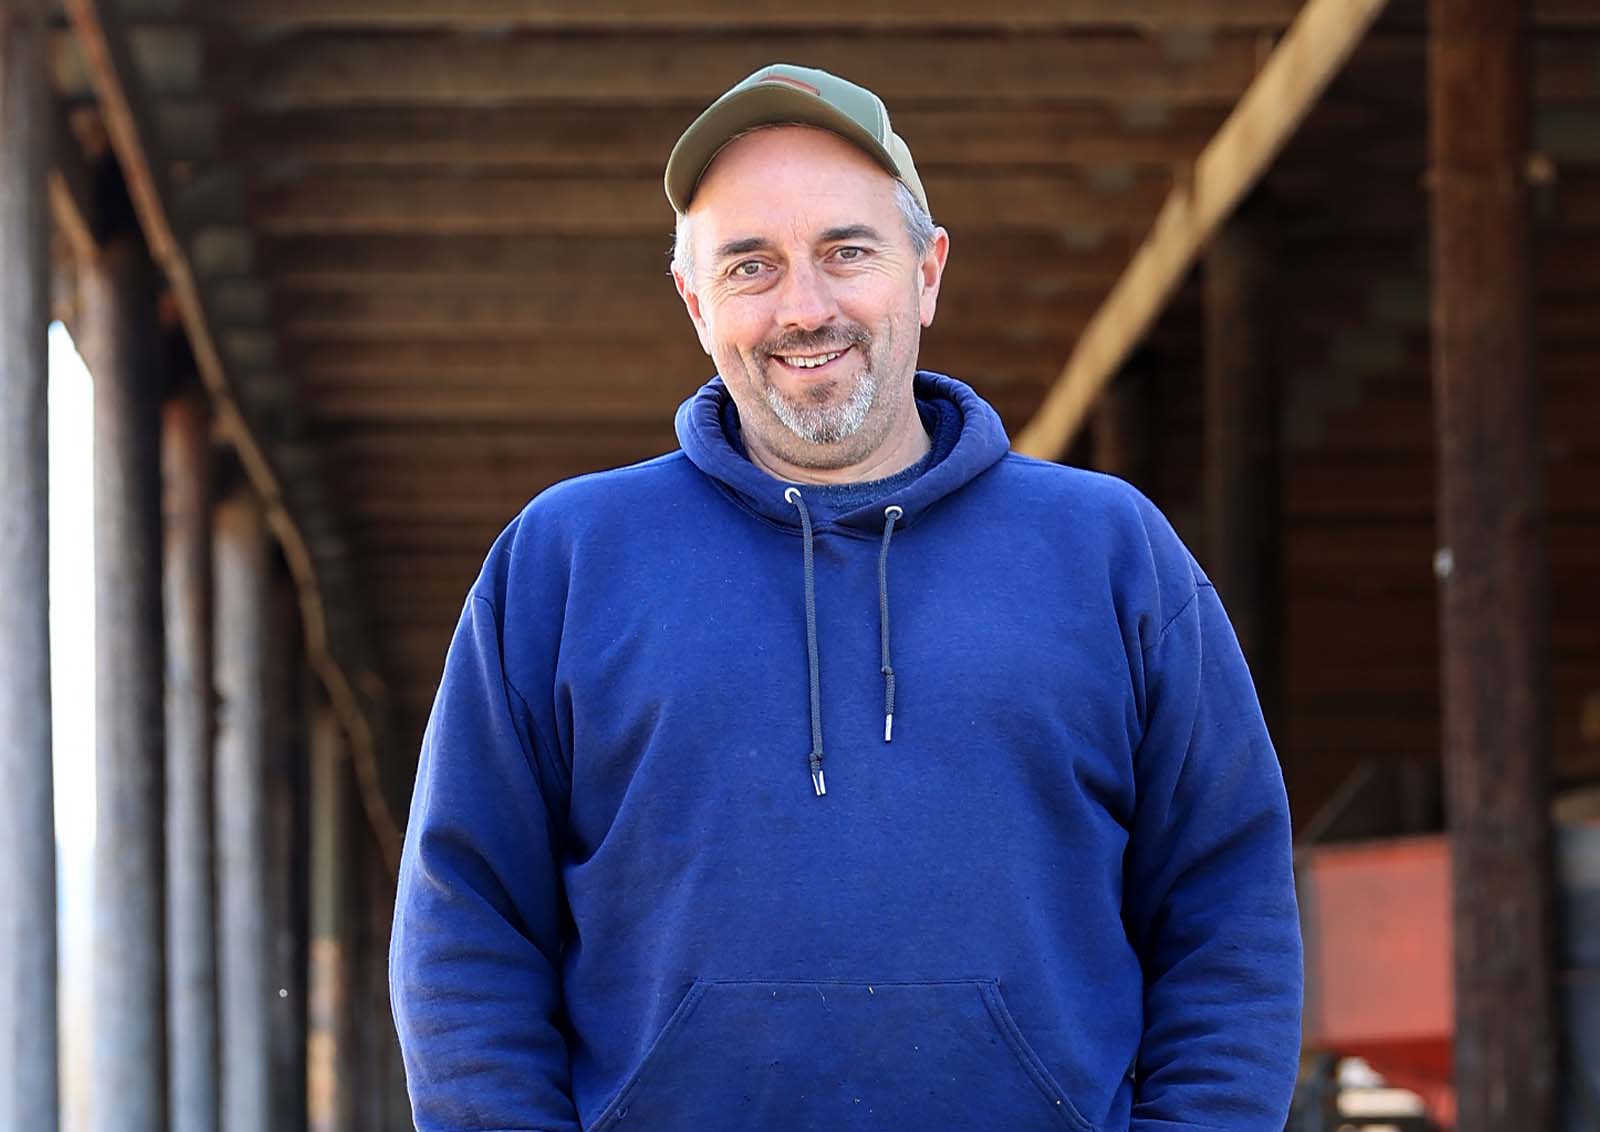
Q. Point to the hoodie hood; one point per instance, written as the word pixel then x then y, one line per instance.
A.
pixel 704 420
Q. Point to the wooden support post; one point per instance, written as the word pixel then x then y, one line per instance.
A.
pixel 191 718
pixel 1491 566
pixel 28 1075
pixel 1244 444
pixel 240 557
pixel 327 1051
pixel 120 347
pixel 287 850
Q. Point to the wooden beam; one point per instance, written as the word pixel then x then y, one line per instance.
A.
pixel 766 15
pixel 125 106
pixel 119 346
pixel 1494 632
pixel 317 71
pixel 968 201
pixel 636 138
pixel 1317 44
pixel 29 1085
pixel 187 462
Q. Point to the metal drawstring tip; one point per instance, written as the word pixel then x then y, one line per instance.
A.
pixel 888 726
pixel 817 783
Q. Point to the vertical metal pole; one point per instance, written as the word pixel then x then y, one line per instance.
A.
pixel 28 1075
pixel 240 549
pixel 130 1044
pixel 191 879
pixel 1244 447
pixel 1491 566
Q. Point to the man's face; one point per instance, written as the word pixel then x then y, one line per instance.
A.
pixel 807 292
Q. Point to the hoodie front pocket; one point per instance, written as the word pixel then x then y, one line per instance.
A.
pixel 836 1055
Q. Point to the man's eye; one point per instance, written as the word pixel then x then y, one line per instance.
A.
pixel 848 254
pixel 749 269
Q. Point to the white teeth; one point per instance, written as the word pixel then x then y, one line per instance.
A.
pixel 812 363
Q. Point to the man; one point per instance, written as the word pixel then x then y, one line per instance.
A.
pixel 702 839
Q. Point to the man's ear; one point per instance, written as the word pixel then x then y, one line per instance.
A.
pixel 930 273
pixel 691 303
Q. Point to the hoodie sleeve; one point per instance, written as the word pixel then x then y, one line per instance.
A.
pixel 1209 898
pixel 473 963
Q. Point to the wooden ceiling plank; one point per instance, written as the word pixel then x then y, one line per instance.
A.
pixel 1321 38
pixel 637 138
pixel 324 71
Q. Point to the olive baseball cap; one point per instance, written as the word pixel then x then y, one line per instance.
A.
pixel 784 94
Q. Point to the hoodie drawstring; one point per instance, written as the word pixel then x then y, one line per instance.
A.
pixel 817 782
pixel 890 514
pixel 813 666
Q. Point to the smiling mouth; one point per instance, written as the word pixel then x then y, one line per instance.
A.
pixel 806 363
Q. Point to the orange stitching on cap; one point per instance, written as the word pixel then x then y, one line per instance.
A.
pixel 779 77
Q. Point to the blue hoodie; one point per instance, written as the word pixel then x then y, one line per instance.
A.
pixel 668 870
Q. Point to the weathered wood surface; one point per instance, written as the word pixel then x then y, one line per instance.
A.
pixel 1493 621
pixel 428 70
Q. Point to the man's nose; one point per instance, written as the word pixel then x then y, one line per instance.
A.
pixel 805 301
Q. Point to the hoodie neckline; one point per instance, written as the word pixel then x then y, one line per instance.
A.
pixel 980 445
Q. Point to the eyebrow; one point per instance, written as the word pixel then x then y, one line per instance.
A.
pixel 749 244
pixel 852 232
pixel 741 247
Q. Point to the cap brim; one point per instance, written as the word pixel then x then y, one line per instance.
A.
pixel 764 104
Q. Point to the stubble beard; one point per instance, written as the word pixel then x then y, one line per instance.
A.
pixel 817 429
pixel 823 422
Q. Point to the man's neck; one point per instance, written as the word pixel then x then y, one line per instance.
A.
pixel 911 445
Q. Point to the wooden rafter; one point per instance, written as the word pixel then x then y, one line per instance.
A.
pixel 127 114
pixel 1317 44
